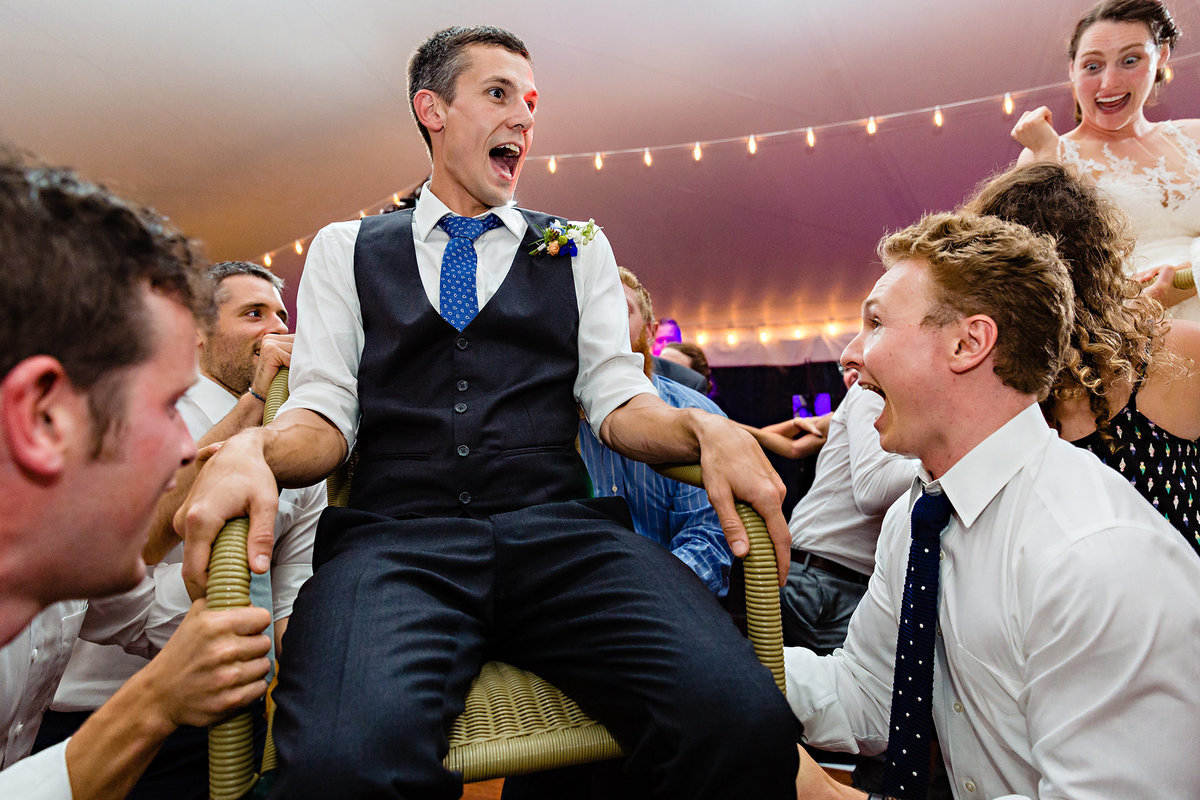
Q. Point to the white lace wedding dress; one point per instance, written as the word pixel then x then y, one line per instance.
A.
pixel 1163 205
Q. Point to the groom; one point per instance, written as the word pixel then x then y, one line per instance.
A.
pixel 453 360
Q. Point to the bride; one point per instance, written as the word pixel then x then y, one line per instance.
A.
pixel 1151 170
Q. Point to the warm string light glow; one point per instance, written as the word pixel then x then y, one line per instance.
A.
pixel 1168 75
pixel 751 141
pixel 362 213
pixel 702 338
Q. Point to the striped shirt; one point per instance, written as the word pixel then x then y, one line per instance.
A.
pixel 675 515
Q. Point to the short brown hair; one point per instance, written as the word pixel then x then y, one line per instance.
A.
pixel 984 265
pixel 645 307
pixel 1113 337
pixel 439 60
pixel 74 260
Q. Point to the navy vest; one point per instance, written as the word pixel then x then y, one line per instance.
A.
pixel 473 423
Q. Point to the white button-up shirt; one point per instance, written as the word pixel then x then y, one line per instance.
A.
pixel 32 663
pixel 1069 633
pixel 855 483
pixel 329 333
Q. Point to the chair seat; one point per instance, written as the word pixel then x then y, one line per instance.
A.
pixel 516 723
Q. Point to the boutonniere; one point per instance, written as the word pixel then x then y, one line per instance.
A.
pixel 563 238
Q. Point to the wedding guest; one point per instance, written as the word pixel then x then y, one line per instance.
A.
pixel 1130 390
pixel 453 350
pixel 1118 56
pixel 1023 583
pixel 96 345
pixel 691 356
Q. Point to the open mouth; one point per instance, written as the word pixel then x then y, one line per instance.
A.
pixel 1111 104
pixel 505 158
pixel 870 387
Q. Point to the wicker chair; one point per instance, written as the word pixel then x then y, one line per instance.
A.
pixel 514 722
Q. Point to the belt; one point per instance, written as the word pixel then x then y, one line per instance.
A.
pixel 806 559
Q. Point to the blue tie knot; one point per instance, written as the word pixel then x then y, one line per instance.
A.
pixel 930 515
pixel 469 228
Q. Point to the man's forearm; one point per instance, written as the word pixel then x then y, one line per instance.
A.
pixel 247 413
pixel 111 750
pixel 302 448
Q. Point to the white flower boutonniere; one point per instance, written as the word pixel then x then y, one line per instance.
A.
pixel 563 238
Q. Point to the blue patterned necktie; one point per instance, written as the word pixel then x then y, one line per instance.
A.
pixel 457 295
pixel 910 732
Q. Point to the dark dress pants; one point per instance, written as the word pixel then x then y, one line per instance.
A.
pixel 386 637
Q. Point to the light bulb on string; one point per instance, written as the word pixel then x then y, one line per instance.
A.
pixel 696 152
pixel 1008 103
pixel 811 138
pixel 752 144
pixel 764 336
pixel 797 333
pixel 395 198
pixel 646 157
pixel 299 247
pixel 361 213
pixel 731 338
pixel 871 126
pixel 1168 75
pixel 702 338
pixel 938 119
pixel 553 165
pixel 267 260
pixel 599 161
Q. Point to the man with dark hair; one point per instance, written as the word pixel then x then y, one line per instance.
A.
pixel 96 345
pixel 452 351
pixel 1024 588
pixel 240 348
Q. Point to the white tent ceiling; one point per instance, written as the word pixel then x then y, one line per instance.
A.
pixel 254 123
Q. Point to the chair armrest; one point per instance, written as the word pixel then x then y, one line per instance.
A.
pixel 763 624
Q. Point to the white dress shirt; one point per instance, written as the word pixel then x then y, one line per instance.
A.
pixel 329 334
pixel 96 671
pixel 1068 637
pixel 33 662
pixel 855 483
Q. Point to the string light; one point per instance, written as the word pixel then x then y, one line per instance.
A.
pixel 731 338
pixel 267 260
pixel 797 333
pixel 810 133
pixel 1168 75
pixel 361 213
pixel 832 328
pixel 764 336
pixel 702 338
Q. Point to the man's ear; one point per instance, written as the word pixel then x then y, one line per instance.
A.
pixel 41 415
pixel 975 341
pixel 429 110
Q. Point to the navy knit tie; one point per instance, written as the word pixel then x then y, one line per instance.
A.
pixel 910 732
pixel 458 298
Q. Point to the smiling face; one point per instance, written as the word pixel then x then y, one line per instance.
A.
pixel 901 357
pixel 480 140
pixel 1113 73
pixel 248 308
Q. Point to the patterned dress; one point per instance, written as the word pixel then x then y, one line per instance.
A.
pixel 1164 468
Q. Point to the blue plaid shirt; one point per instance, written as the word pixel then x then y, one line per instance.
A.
pixel 673 514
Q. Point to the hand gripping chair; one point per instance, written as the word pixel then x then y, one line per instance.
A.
pixel 514 722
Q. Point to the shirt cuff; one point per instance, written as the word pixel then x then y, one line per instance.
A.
pixel 42 776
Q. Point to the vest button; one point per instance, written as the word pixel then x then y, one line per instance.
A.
pixel 462 386
pixel 464 498
pixel 463 450
pixel 461 408
pixel 462 343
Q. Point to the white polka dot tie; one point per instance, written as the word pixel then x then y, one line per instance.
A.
pixel 458 298
pixel 910 732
